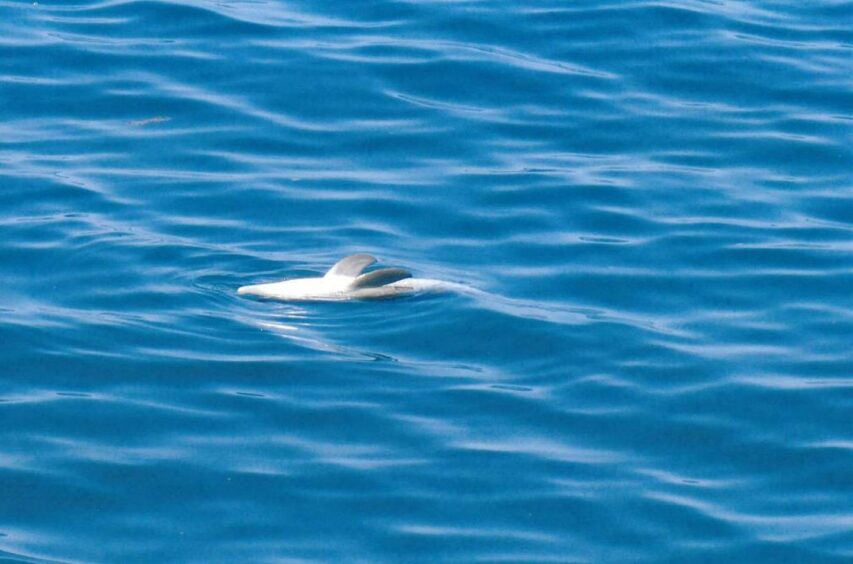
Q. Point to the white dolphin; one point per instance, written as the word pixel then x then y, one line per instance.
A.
pixel 347 281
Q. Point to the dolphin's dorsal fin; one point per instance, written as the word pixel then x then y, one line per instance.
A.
pixel 352 265
pixel 380 277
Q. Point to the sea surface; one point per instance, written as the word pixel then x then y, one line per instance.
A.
pixel 652 201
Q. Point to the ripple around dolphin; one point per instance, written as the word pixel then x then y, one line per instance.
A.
pixel 646 206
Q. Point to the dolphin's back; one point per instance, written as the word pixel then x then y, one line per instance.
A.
pixel 345 281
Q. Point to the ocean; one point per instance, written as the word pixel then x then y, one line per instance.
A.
pixel 652 201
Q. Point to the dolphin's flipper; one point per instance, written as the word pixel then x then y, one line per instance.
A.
pixel 352 265
pixel 380 277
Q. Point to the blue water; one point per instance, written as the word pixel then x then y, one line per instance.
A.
pixel 652 198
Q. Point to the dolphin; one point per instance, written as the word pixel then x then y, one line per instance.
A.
pixel 346 280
